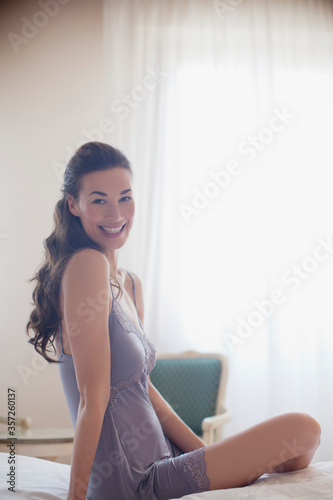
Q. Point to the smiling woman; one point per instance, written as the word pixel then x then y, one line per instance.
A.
pixel 110 217
pixel 78 216
pixel 129 442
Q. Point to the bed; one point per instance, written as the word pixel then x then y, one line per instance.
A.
pixel 38 479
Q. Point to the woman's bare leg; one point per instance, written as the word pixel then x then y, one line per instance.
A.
pixel 280 444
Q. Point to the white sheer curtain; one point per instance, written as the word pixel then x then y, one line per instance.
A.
pixel 225 109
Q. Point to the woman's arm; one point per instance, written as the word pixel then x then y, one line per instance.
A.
pixel 173 427
pixel 86 278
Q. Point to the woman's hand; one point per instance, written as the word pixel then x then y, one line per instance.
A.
pixel 173 426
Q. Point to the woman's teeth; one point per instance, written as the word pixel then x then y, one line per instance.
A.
pixel 112 230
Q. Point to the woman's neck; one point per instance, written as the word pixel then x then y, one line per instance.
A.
pixel 112 256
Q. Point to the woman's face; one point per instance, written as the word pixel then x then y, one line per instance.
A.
pixel 106 206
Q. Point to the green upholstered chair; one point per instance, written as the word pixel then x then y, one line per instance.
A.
pixel 194 384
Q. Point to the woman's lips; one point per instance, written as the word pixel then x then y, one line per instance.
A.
pixel 110 232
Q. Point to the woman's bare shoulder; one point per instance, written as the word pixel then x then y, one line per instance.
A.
pixel 136 278
pixel 84 255
pixel 85 260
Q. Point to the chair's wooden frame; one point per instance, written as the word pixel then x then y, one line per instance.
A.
pixel 211 426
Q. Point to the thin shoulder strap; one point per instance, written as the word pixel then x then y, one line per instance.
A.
pixel 60 333
pixel 133 287
pixel 111 286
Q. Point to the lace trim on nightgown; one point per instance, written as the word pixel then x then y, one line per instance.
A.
pixel 114 390
pixel 129 326
pixel 150 352
pixel 195 465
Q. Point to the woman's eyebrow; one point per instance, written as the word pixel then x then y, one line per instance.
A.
pixel 105 194
pixel 97 192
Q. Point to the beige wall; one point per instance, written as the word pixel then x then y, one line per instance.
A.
pixel 52 89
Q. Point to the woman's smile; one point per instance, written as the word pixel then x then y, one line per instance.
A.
pixel 111 231
pixel 106 206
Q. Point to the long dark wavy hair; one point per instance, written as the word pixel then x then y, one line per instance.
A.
pixel 67 238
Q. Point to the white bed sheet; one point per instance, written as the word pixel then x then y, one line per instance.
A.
pixel 38 479
pixel 314 482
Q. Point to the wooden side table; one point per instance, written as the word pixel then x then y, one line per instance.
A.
pixel 40 443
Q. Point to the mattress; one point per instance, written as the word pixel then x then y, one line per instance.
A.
pixel 38 479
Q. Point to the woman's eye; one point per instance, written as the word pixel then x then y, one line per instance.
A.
pixel 125 198
pixel 97 202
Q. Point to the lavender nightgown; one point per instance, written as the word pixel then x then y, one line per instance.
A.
pixel 134 459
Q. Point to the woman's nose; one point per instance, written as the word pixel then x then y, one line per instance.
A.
pixel 113 213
